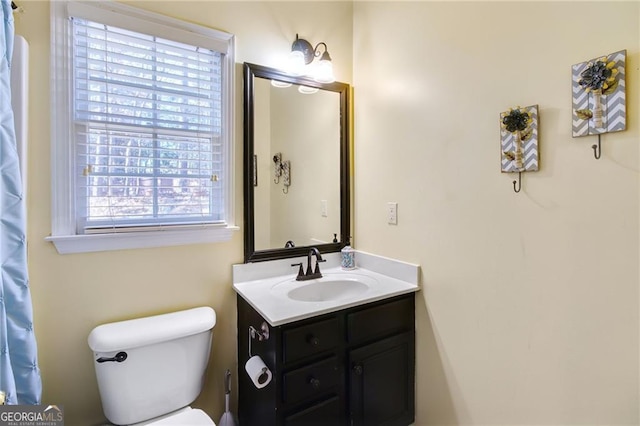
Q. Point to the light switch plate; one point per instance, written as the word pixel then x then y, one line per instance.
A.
pixel 392 213
pixel 323 208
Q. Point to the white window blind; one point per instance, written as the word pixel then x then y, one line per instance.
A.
pixel 148 130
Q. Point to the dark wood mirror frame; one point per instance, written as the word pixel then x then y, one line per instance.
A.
pixel 250 72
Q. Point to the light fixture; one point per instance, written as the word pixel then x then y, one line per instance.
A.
pixel 302 55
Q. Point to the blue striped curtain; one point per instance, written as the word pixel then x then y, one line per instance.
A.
pixel 19 372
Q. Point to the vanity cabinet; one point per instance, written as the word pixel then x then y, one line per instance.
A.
pixel 351 367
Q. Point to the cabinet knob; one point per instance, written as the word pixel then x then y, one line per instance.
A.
pixel 315 383
pixel 313 340
pixel 357 369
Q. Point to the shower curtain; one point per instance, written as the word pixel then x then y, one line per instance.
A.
pixel 19 372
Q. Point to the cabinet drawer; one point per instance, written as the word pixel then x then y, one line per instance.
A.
pixel 310 339
pixel 325 413
pixel 381 320
pixel 312 380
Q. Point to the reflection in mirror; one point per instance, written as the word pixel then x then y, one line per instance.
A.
pixel 305 131
pixel 296 165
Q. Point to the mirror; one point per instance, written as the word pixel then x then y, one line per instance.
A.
pixel 296 164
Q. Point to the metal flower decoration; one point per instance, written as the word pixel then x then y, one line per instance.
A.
pixel 599 75
pixel 599 78
pixel 516 120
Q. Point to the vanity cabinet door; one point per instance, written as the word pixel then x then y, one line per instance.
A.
pixel 381 382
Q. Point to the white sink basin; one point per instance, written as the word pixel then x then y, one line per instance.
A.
pixel 321 291
pixel 329 288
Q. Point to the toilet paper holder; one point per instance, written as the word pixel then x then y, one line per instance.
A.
pixel 261 335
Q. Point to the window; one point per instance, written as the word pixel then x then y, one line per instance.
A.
pixel 141 125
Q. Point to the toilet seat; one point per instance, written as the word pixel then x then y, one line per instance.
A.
pixel 185 417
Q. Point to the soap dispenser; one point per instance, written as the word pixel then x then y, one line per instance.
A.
pixel 348 257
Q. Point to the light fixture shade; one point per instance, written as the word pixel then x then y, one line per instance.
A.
pixel 297 63
pixel 324 71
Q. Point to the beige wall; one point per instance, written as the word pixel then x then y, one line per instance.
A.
pixel 529 313
pixel 529 309
pixel 73 293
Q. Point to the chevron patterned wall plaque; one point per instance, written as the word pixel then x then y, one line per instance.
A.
pixel 590 81
pixel 527 152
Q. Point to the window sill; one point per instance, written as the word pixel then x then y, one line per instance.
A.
pixel 68 244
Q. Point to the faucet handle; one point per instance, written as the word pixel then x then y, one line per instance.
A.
pixel 300 270
pixel 317 269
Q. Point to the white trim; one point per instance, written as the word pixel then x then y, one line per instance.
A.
pixel 228 130
pixel 63 167
pixel 68 244
pixel 62 218
pixel 140 21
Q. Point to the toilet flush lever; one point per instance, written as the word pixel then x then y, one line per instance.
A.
pixel 120 356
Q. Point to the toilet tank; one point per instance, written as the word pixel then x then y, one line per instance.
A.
pixel 148 367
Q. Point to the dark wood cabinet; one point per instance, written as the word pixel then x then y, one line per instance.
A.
pixel 351 367
pixel 389 365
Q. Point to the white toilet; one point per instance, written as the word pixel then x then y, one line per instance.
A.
pixel 150 369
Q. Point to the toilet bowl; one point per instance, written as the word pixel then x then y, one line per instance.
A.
pixel 149 370
pixel 183 417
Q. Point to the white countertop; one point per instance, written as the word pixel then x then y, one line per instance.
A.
pixel 265 285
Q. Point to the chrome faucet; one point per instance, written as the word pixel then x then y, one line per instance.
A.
pixel 311 273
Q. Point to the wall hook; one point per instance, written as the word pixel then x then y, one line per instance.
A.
pixel 277 167
pixel 286 176
pixel 597 149
pixel 519 183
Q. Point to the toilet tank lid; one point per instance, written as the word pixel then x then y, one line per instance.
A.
pixel 138 332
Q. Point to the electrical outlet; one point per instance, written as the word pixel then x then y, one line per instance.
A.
pixel 323 208
pixel 392 213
